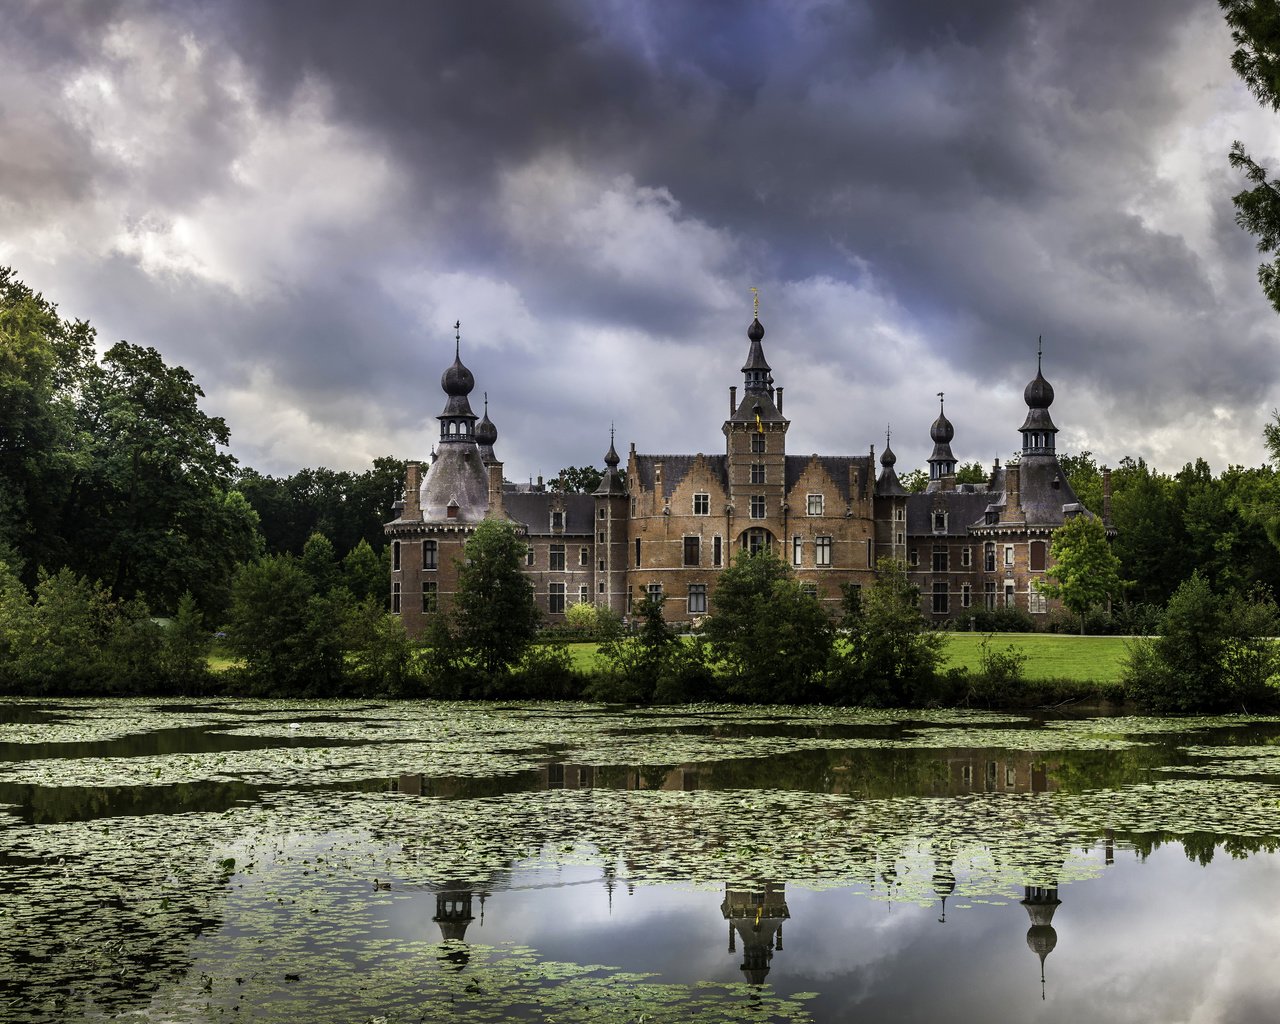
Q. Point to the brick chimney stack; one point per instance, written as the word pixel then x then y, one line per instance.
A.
pixel 496 509
pixel 412 498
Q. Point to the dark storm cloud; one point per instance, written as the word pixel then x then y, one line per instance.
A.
pixel 976 172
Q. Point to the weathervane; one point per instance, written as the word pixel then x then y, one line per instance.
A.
pixel 886 435
pixel 941 401
pixel 457 337
pixel 1039 351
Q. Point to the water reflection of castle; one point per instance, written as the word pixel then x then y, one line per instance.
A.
pixel 755 911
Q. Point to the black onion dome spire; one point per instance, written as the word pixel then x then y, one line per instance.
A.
pixel 942 432
pixel 756 369
pixel 611 483
pixel 611 456
pixel 457 422
pixel 888 485
pixel 486 432
pixel 1038 430
pixel 457 381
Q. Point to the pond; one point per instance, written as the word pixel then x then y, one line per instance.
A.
pixel 364 861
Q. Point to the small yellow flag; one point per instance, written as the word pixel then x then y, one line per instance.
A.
pixel 759 424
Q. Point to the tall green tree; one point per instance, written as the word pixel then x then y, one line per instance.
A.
pixel 1085 571
pixel 772 638
pixel 494 613
pixel 43 363
pixel 152 500
pixel 1255 29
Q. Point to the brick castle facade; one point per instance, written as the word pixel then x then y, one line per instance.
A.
pixel 674 521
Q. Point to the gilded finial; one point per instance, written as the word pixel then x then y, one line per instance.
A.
pixel 755 297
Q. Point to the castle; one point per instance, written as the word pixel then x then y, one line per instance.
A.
pixel 674 521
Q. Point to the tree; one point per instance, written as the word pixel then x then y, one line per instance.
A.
pixel 151 501
pixel 1255 29
pixel 915 480
pixel 1150 536
pixel 773 639
pixel 43 362
pixel 893 656
pixel 1214 652
pixel 365 573
pixel 1085 571
pixel 1085 478
pixel 495 615
pixel 972 473
pixel 289 635
pixel 577 480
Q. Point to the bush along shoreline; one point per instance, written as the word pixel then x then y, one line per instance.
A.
pixel 294 629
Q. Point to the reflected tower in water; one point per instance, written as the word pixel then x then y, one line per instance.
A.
pixel 1041 902
pixel 756 914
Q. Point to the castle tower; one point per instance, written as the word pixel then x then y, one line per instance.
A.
pixel 891 508
pixel 1038 431
pixel 611 502
pixel 942 464
pixel 755 436
pixel 756 915
pixel 1040 903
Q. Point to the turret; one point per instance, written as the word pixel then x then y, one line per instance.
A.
pixel 942 464
pixel 486 435
pixel 1037 429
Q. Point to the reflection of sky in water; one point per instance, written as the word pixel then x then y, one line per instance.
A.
pixel 1164 939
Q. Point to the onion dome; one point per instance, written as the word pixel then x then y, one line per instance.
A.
pixel 611 456
pixel 942 431
pixel 1037 429
pixel 457 381
pixel 486 432
pixel 887 458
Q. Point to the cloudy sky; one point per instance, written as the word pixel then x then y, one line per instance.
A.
pixel 296 199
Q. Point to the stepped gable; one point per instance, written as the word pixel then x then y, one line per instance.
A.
pixel 676 467
pixel 835 466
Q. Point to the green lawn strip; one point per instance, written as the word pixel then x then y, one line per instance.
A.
pixel 1049 655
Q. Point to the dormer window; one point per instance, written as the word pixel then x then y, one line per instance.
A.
pixel 557 520
pixel 939 522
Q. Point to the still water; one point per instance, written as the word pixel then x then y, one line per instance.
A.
pixel 273 861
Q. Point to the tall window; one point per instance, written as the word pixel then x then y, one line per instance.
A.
pixel 429 552
pixel 989 556
pixel 757 472
pixel 692 550
pixel 966 557
pixel 584 556
pixel 600 565
pixel 430 600
pixel 582 593
pixel 939 559
pixel 900 513
pixel 815 504
pixel 989 596
pixel 395 555
pixel 717 553
pixel 697 598
pixel 913 557
pixel 557 520
pixel 395 598
pixel 637 552
pixel 602 512
pixel 555 599
pixel 1008 554
pixel 966 595
pixel 1037 604
pixel 939 522
pixel 1008 595
pixel 821 550
pixel 702 504
pixel 940 599
pixel 1037 555
pixel 797 551
pixel 601 536
pixel 757 444
pixel 528 555
pixel 756 540
pixel 757 506
pixel 555 559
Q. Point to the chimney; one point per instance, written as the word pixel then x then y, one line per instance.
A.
pixel 778 394
pixel 412 480
pixel 733 400
pixel 496 510
pixel 539 488
pixel 1013 489
pixel 1106 496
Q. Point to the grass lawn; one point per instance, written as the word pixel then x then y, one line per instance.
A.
pixel 1049 655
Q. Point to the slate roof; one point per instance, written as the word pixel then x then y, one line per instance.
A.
pixel 1042 503
pixel 964 509
pixel 533 509
pixel 456 475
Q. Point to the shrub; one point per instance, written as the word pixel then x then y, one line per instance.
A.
pixel 1003 620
